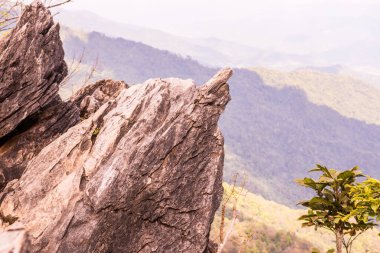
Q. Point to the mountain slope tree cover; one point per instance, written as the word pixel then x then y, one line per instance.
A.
pixel 277 133
pixel 345 94
pixel 272 134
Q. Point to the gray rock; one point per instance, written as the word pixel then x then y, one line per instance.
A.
pixel 33 134
pixel 14 239
pixel 114 169
pixel 31 111
pixel 31 67
pixel 91 97
pixel 141 174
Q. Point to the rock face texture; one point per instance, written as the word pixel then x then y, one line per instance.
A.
pixel 141 174
pixel 33 134
pixel 31 112
pixel 31 68
pixel 91 97
pixel 14 239
pixel 116 168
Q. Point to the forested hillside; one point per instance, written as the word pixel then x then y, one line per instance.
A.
pixel 347 95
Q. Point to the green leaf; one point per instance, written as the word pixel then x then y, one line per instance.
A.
pixel 346 174
pixel 324 179
pixel 321 201
pixel 323 169
pixel 329 194
pixel 340 201
pixel 375 207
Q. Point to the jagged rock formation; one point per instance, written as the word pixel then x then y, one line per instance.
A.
pixel 141 174
pixel 33 134
pixel 31 68
pixel 140 171
pixel 90 98
pixel 31 111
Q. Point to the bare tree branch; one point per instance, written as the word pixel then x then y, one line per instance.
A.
pixel 230 229
pixel 58 4
pixel 10 11
pixel 235 193
pixel 92 71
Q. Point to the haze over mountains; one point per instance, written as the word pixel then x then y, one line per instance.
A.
pixel 359 59
pixel 208 51
pixel 274 134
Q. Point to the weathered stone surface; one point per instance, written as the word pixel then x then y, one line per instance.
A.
pixel 91 97
pixel 141 174
pixel 14 239
pixel 31 111
pixel 114 169
pixel 31 67
pixel 33 134
pixel 41 128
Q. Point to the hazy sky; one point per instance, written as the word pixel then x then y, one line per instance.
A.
pixel 264 23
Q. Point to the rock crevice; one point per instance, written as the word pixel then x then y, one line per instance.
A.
pixel 149 181
pixel 32 66
pixel 31 112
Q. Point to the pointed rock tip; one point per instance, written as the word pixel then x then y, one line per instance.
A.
pixel 36 3
pixel 218 80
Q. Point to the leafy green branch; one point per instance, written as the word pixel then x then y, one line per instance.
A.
pixel 334 208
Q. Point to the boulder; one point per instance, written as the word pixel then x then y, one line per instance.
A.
pixel 143 173
pixel 115 168
pixel 31 67
pixel 33 134
pixel 89 98
pixel 31 111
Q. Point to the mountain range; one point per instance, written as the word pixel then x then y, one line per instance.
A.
pixel 357 55
pixel 208 51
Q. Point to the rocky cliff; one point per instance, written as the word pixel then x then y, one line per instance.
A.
pixel 115 168
pixel 31 112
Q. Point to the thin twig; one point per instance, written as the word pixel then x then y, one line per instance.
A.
pixel 92 71
pixel 223 211
pixel 59 4
pixel 230 229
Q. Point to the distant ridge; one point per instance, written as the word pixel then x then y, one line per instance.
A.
pixel 345 94
pixel 208 51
